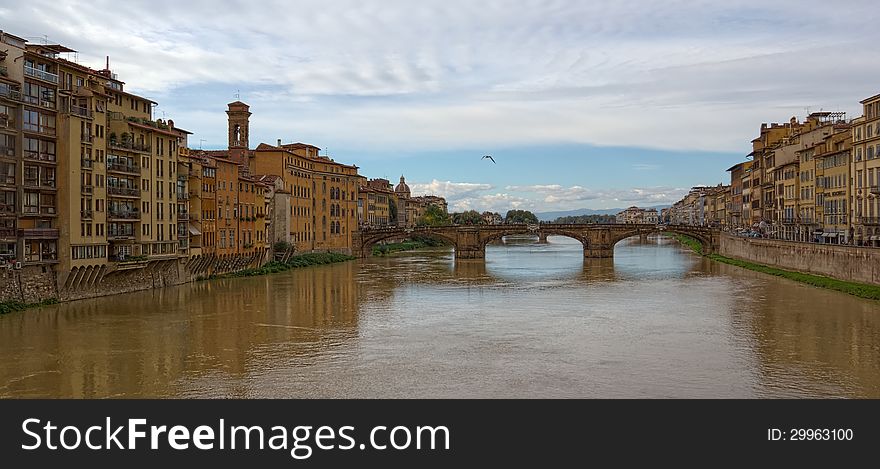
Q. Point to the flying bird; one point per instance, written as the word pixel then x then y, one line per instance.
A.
pixel 490 157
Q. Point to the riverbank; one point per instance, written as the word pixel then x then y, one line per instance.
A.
pixel 861 290
pixel 295 262
pixel 13 306
pixel 411 245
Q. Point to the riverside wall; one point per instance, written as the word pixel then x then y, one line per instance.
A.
pixel 33 284
pixel 849 263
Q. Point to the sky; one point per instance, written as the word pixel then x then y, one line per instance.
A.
pixel 600 104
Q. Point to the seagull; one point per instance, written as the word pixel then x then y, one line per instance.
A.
pixel 490 157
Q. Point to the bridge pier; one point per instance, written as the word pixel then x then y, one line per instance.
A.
pixel 542 238
pixel 598 252
pixel 643 237
pixel 470 252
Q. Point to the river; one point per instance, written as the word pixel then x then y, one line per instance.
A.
pixel 531 321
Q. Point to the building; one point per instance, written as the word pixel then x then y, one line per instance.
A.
pixel 322 193
pixel 377 204
pixel 635 215
pixel 411 209
pixel 865 169
pixel 95 176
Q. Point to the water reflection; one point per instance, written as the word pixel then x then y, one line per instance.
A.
pixel 533 320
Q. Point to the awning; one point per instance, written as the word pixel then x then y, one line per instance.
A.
pixel 833 235
pixel 875 238
pixel 826 235
pixel 194 231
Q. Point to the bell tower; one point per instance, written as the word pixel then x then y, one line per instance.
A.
pixel 239 126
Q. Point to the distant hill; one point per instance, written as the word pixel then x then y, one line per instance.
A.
pixel 550 216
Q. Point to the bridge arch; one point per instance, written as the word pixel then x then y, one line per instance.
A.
pixel 705 236
pixel 370 238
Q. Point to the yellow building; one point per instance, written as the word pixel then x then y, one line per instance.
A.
pixel 866 173
pixel 833 186
pixel 377 204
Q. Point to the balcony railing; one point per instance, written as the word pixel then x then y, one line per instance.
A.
pixel 7 233
pixel 40 74
pixel 182 215
pixel 7 209
pixel 120 235
pixel 47 157
pixel 10 180
pixel 86 163
pixel 124 168
pixel 875 189
pixel 10 93
pixel 88 189
pixel 869 220
pixel 7 122
pixel 124 191
pixel 40 183
pixel 81 111
pixel 125 214
pixel 183 195
pixel 40 129
pixel 132 146
pixel 86 214
pixel 86 138
pixel 39 233
pixel 8 152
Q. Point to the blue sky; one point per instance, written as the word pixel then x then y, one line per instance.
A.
pixel 583 104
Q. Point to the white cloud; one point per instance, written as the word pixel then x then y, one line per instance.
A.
pixel 448 189
pixel 676 74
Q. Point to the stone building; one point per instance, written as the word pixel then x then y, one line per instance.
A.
pixel 865 170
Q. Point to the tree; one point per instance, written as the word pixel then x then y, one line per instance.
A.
pixel 470 217
pixel 392 211
pixel 520 216
pixel 434 216
pixel 586 219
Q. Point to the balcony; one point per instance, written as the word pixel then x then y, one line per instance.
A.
pixel 130 146
pixel 7 152
pixel 48 184
pixel 81 111
pixel 7 180
pixel 182 195
pixel 869 220
pixel 39 233
pixel 7 122
pixel 124 191
pixel 875 189
pixel 120 235
pixel 790 220
pixel 7 233
pixel 7 210
pixel 86 163
pixel 85 214
pixel 183 216
pixel 42 157
pixel 39 129
pixel 87 189
pixel 124 168
pixel 124 214
pixel 41 75
pixel 10 93
pixel 86 138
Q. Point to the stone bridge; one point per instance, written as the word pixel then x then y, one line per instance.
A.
pixel 470 241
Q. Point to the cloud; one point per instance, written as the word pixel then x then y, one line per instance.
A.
pixel 450 190
pixel 671 75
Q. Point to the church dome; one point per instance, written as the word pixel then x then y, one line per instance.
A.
pixel 402 187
